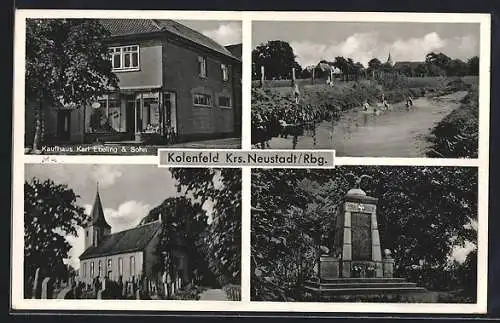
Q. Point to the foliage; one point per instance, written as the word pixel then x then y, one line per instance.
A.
pixel 423 213
pixel 67 63
pixel 222 241
pixel 50 214
pixel 67 60
pixel 456 136
pixel 183 224
pixel 278 59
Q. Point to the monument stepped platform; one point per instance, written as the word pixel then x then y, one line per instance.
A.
pixel 364 286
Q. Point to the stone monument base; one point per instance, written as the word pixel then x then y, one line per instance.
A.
pixel 339 288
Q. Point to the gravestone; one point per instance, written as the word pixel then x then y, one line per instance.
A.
pixel 36 290
pixel 47 288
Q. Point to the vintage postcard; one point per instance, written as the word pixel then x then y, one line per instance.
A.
pixel 176 161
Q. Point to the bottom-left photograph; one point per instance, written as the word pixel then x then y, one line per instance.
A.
pixel 132 232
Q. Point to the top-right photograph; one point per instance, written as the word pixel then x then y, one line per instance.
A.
pixel 367 89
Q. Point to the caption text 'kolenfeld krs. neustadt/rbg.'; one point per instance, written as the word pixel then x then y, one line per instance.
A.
pixel 324 159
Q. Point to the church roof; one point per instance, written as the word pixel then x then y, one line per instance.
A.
pixel 97 214
pixel 128 27
pixel 135 239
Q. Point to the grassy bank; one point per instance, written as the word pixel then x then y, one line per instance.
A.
pixel 456 136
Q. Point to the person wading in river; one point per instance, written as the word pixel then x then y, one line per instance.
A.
pixel 296 93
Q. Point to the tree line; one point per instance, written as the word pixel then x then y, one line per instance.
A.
pixel 278 59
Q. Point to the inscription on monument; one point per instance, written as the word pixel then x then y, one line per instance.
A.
pixel 361 236
pixel 359 207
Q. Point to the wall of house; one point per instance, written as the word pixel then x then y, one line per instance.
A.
pixel 127 272
pixel 150 58
pixel 180 65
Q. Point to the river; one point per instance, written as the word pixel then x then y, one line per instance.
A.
pixel 398 132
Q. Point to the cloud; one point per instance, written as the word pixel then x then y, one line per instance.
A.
pixel 126 216
pixel 225 34
pixel 364 46
pixel 106 175
pixel 415 49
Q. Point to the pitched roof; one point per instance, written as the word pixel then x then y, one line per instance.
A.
pixel 97 214
pixel 235 49
pixel 131 240
pixel 125 27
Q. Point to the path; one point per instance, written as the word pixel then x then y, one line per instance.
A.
pixel 213 295
pixel 395 133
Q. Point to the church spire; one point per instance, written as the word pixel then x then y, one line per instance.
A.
pixel 97 213
pixel 389 59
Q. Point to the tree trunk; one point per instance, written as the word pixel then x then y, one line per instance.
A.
pixel 38 127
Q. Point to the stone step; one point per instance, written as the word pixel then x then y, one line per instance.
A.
pixel 360 285
pixel 365 291
pixel 363 280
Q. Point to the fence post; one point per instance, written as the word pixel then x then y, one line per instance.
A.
pixel 262 76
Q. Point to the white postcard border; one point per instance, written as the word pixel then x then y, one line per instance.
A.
pixel 20 159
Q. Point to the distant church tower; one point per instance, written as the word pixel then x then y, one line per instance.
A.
pixel 389 59
pixel 97 228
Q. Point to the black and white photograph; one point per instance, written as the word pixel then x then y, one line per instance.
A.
pixel 384 234
pixel 366 89
pixel 130 86
pixel 132 232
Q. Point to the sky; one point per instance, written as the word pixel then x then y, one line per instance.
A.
pixel 128 192
pixel 362 41
pixel 223 32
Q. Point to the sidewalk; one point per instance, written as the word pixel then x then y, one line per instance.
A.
pixel 213 295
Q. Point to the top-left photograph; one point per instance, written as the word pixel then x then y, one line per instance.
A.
pixel 131 86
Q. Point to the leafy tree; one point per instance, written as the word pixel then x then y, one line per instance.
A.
pixel 221 188
pixel 473 63
pixel 67 63
pixel 183 225
pixel 278 59
pixel 373 66
pixel 50 214
pixel 423 213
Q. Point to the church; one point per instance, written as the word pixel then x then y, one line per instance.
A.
pixel 127 255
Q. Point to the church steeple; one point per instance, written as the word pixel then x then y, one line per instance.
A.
pixel 389 59
pixel 97 227
pixel 97 214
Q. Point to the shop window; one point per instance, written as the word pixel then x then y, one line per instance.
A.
pixel 125 58
pixel 151 115
pixel 224 102
pixel 202 100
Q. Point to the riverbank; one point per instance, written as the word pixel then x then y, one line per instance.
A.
pixel 456 136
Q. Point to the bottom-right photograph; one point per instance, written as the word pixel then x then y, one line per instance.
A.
pixel 403 234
